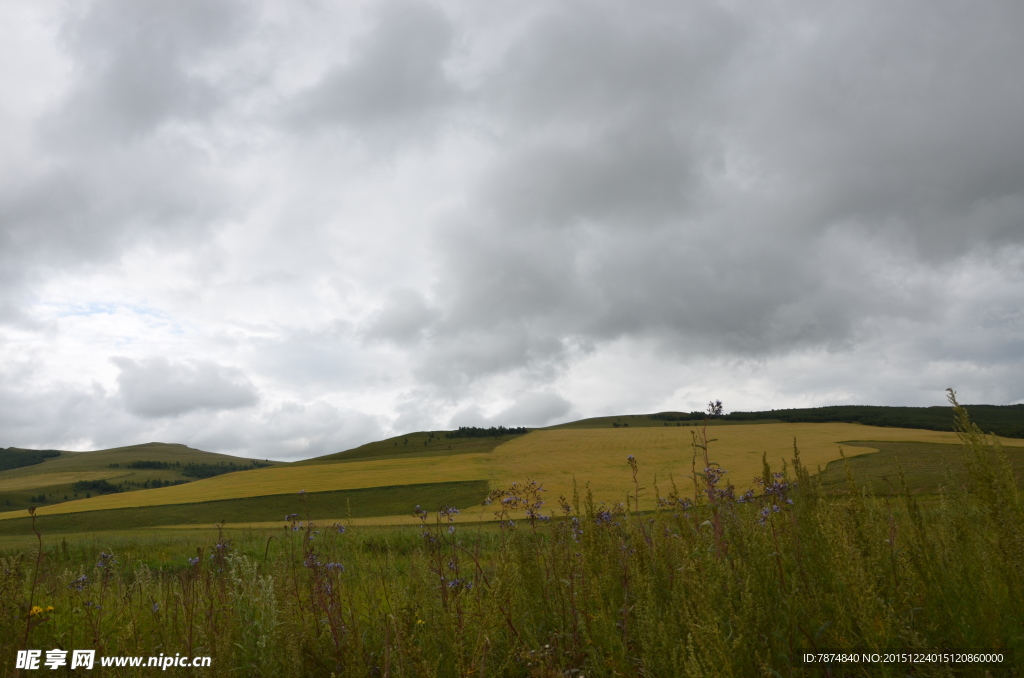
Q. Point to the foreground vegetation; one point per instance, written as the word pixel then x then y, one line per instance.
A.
pixel 730 585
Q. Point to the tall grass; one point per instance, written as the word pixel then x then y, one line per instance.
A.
pixel 727 586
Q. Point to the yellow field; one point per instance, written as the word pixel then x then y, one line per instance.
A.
pixel 554 458
pixel 598 456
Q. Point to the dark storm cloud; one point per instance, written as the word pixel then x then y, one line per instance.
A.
pixel 136 67
pixel 733 184
pixel 397 211
pixel 158 387
pixel 396 71
pixel 403 319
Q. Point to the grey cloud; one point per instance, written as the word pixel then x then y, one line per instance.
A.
pixel 633 175
pixel 613 198
pixel 763 191
pixel 904 124
pixel 136 69
pixel 583 64
pixel 541 408
pixel 396 73
pixel 289 431
pixel 403 319
pixel 158 387
pixel 458 359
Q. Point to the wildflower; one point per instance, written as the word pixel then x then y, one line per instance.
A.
pixel 451 529
pixel 35 610
pixel 156 607
pixel 335 566
pixel 193 561
pixel 79 583
pixel 577 531
pixel 105 560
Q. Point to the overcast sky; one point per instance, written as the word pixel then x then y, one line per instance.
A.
pixel 283 229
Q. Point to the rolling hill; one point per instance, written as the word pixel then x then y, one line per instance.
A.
pixel 60 476
pixel 389 477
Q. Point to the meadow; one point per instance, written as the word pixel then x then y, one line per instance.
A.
pixel 724 583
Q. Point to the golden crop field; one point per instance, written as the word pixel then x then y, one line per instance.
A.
pixel 598 456
pixel 594 457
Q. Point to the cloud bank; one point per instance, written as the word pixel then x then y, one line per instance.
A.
pixel 280 230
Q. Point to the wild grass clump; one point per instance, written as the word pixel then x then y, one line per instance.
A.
pixel 725 584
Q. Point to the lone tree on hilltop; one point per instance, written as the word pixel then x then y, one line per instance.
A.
pixel 715 408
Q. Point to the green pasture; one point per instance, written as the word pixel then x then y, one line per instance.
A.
pixel 410 445
pixel 926 467
pixel 376 501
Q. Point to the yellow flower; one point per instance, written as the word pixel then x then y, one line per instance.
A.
pixel 35 610
pixel 420 621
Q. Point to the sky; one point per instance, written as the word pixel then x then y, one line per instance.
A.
pixel 284 229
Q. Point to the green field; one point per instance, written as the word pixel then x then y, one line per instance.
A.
pixel 926 467
pixel 376 501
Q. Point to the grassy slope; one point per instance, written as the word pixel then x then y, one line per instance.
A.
pixel 411 446
pixel 1003 420
pixel 339 505
pixel 924 466
pixel 54 477
pixel 640 421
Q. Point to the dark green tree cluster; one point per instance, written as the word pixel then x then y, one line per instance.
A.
pixel 101 486
pixel 678 416
pixel 14 457
pixel 202 470
pixel 492 432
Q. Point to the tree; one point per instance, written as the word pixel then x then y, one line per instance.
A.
pixel 715 408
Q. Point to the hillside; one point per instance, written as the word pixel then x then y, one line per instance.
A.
pixel 1002 420
pixel 414 445
pixel 65 476
pixel 385 482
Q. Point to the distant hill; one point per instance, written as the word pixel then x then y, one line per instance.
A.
pixel 466 440
pixel 1003 420
pixel 42 477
